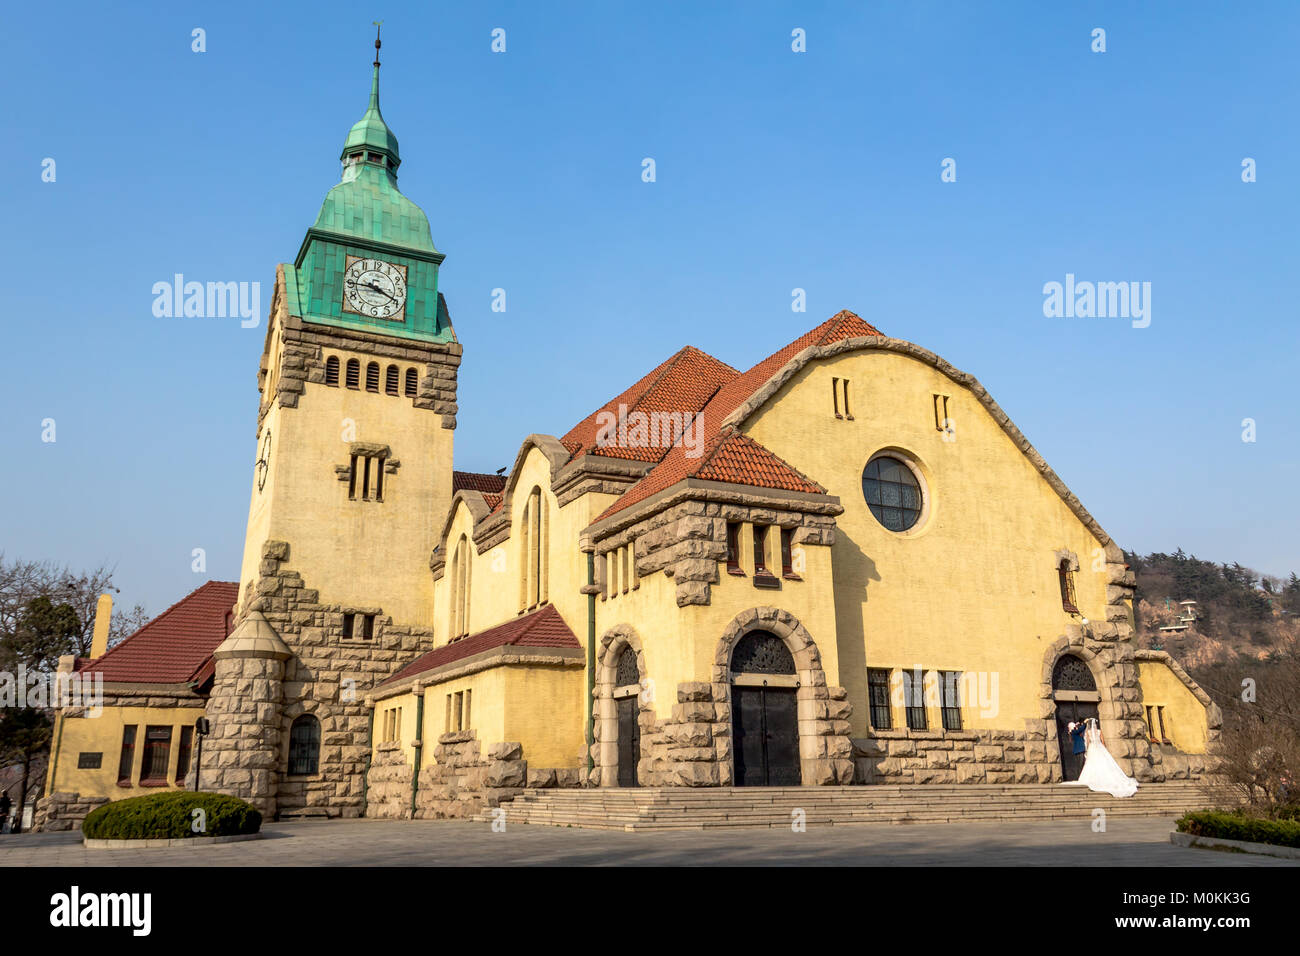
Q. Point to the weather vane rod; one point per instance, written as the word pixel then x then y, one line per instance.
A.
pixel 378 24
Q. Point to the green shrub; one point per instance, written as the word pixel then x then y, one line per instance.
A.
pixel 1233 825
pixel 169 816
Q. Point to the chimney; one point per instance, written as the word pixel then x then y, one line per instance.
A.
pixel 103 615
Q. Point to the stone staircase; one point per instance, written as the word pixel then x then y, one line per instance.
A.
pixel 706 808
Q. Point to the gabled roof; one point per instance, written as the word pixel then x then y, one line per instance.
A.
pixel 476 481
pixel 682 384
pixel 541 628
pixel 175 647
pixel 730 456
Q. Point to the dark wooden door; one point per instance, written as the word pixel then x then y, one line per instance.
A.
pixel 629 741
pixel 765 736
pixel 1066 712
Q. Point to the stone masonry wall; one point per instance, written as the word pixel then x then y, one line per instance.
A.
pixel 63 811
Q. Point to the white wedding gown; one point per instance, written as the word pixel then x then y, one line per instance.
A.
pixel 1100 771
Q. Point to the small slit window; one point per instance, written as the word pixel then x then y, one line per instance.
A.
pixel 1066 576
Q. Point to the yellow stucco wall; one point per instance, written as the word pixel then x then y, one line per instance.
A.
pixel 359 553
pixel 973 587
pixel 1185 719
pixel 103 734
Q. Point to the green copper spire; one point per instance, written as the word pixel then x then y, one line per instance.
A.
pixel 371 134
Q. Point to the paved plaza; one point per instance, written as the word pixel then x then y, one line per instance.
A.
pixel 1126 842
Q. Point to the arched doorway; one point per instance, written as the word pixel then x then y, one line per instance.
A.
pixel 764 712
pixel 1075 692
pixel 627 691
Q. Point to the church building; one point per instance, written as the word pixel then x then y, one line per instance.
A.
pixel 844 565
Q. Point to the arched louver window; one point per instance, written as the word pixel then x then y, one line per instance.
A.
pixel 372 377
pixel 390 380
pixel 304 745
pixel 627 673
pixel 411 380
pixel 353 379
pixel 332 371
pixel 1071 673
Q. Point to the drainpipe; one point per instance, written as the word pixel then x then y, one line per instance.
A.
pixel 418 743
pixel 591 655
pixel 54 756
pixel 370 750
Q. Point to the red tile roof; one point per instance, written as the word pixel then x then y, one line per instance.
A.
pixel 474 481
pixel 541 628
pixel 683 384
pixel 730 456
pixel 175 647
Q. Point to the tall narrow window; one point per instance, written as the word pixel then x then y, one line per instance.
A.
pixel 126 762
pixel 835 396
pixel 1067 586
pixel 349 626
pixel 1160 717
pixel 332 371
pixel 465 720
pixel 914 699
pixel 460 583
pixel 183 749
pixel 733 548
pixel 631 564
pixel 847 414
pixel 760 548
pixel 368 627
pixel 446 723
pixel 379 479
pixel 1151 724
pixel 352 478
pixel 304 745
pixel 622 557
pixel 353 379
pixel 787 554
pixel 411 381
pixel 457 711
pixel 391 380
pixel 950 691
pixel 940 412
pixel 365 477
pixel 372 377
pixel 157 748
pixel 878 696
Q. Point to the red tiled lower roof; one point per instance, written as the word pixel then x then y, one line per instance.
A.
pixel 541 628
pixel 475 481
pixel 727 456
pixel 177 645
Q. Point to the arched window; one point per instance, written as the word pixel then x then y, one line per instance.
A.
pixel 412 378
pixel 353 379
pixel 372 377
pixel 626 671
pixel 533 570
pixel 304 745
pixel 390 380
pixel 1067 586
pixel 460 589
pixel 761 652
pixel 1071 673
pixel 332 371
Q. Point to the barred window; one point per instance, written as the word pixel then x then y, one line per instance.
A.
pixel 127 761
pixel 950 691
pixel 157 748
pixel 914 699
pixel 878 695
pixel 304 745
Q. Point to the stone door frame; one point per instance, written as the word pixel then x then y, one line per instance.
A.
pixel 1106 675
pixel 605 707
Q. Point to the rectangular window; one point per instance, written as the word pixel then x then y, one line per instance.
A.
pixel 457 709
pixel 365 478
pixel 379 479
pixel 847 414
pixel 348 626
pixel 1151 724
pixel 787 553
pixel 940 412
pixel 631 564
pixel 733 548
pixel 1067 586
pixel 368 622
pixel 914 699
pixel 760 548
pixel 127 760
pixel 950 690
pixel 90 761
pixel 157 748
pixel 465 721
pixel 1160 716
pixel 622 554
pixel 446 723
pixel 352 479
pixel 878 695
pixel 183 749
pixel 835 396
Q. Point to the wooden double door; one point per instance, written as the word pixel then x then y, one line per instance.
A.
pixel 765 736
pixel 1068 711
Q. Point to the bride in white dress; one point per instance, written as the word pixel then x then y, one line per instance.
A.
pixel 1100 771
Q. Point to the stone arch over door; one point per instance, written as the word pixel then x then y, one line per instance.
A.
pixel 617 641
pixel 825 751
pixel 1115 677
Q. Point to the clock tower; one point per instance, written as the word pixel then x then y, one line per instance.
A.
pixel 351 482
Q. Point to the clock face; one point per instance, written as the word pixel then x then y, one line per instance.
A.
pixel 375 288
pixel 264 462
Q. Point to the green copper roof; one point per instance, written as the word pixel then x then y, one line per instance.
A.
pixel 371 131
pixel 368 206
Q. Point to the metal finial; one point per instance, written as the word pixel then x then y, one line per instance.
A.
pixel 378 24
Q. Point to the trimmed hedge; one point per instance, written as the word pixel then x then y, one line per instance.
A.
pixel 1228 825
pixel 169 816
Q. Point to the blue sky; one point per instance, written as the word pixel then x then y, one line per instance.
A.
pixel 775 170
